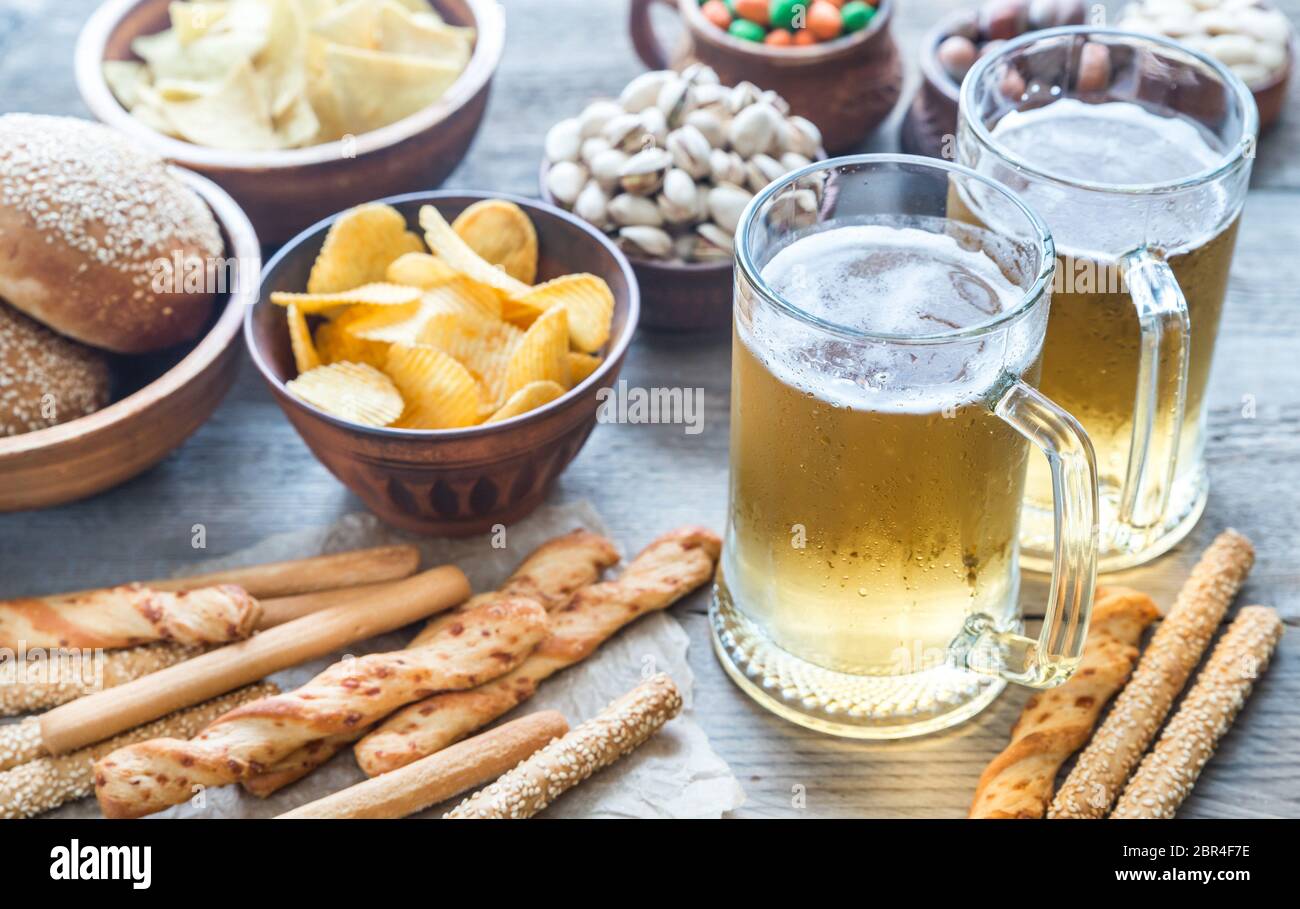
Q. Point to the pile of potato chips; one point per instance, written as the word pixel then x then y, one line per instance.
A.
pixel 452 338
pixel 270 74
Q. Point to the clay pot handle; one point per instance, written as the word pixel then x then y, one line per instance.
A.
pixel 647 45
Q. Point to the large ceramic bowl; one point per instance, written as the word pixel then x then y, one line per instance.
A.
pixel 169 394
pixel 285 191
pixel 452 482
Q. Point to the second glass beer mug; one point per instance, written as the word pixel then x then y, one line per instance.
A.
pixel 1136 151
pixel 882 414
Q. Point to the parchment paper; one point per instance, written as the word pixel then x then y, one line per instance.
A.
pixel 676 774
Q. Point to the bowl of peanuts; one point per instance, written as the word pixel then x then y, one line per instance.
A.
pixel 834 61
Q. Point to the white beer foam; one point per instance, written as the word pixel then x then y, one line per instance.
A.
pixel 902 281
pixel 1121 145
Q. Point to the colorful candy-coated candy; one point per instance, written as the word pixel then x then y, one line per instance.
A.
pixel 803 37
pixel 716 12
pixel 785 11
pixel 856 14
pixel 824 20
pixel 746 30
pixel 779 37
pixel 755 11
pixel 957 55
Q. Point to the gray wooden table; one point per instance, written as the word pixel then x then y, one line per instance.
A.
pixel 246 474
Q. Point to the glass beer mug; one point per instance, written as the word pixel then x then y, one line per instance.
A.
pixel 882 415
pixel 1136 151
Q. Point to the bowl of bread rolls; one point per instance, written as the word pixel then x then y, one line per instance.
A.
pixel 122 286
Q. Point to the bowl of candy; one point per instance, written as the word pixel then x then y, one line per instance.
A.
pixel 834 61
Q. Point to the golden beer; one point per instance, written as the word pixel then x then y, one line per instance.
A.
pixel 1092 354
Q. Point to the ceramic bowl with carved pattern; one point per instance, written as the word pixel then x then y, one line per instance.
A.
pixel 451 482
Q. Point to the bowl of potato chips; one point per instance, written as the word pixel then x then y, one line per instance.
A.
pixel 443 354
pixel 297 108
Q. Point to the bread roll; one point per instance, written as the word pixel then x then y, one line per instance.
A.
pixel 45 379
pixel 86 222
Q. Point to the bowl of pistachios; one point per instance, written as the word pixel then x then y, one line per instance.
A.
pixel 665 169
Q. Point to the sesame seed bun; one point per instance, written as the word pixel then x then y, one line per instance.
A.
pixel 45 378
pixel 87 221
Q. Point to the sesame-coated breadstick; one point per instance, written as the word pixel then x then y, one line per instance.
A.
pixel 27 685
pixel 1058 722
pixel 440 776
pixel 1175 649
pixel 670 567
pixel 618 730
pixel 1169 771
pixel 46 783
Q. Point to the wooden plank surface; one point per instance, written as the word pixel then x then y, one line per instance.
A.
pixel 246 475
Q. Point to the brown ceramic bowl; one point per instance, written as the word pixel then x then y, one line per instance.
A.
pixel 846 87
pixel 452 482
pixel 285 191
pixel 167 395
pixel 932 117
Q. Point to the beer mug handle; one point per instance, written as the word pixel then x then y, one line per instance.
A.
pixel 1159 406
pixel 1054 656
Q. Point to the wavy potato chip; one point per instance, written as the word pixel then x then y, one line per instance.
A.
pixel 419 269
pixel 531 396
pixel 350 391
pixel 501 234
pixel 589 302
pixel 359 247
pixel 582 365
pixel 336 343
pixel 304 351
pixel 483 346
pixel 440 393
pixel 366 295
pixel 542 354
pixel 445 243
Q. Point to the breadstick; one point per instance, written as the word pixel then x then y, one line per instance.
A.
pixel 36 684
pixel 324 572
pixel 147 777
pixel 104 713
pixel 46 783
pixel 1168 772
pixel 669 568
pixel 1175 649
pixel 549 574
pixel 618 730
pixel 1057 722
pixel 59 677
pixel 129 615
pixel 440 776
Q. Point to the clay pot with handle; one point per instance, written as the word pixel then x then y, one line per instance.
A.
pixel 846 86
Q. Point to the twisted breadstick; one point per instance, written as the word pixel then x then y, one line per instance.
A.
pixel 46 783
pixel 129 615
pixel 1175 649
pixel 484 643
pixel 1169 771
pixel 1057 722
pixel 618 730
pixel 550 574
pixel 59 677
pixel 669 568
